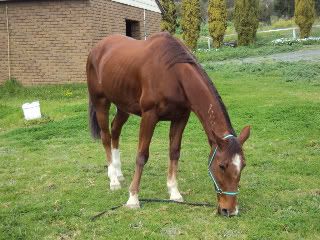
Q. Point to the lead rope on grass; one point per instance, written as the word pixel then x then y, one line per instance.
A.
pixel 149 200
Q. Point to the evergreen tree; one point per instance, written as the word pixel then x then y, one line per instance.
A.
pixel 217 13
pixel 169 18
pixel 304 16
pixel 246 21
pixel 190 22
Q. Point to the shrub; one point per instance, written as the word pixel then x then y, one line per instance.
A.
pixel 169 18
pixel 304 16
pixel 246 21
pixel 190 22
pixel 217 13
pixel 11 86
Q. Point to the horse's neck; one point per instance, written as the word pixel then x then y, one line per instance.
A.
pixel 206 104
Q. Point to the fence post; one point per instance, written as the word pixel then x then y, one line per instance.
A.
pixel 294 34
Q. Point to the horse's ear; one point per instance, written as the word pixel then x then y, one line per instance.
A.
pixel 220 142
pixel 244 135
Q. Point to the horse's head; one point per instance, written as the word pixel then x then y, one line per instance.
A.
pixel 226 163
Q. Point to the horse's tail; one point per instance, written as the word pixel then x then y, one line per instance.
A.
pixel 93 121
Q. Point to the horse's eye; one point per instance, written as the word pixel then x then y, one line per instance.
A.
pixel 222 166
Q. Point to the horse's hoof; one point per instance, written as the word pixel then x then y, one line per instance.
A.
pixel 176 196
pixel 114 187
pixel 133 201
pixel 133 206
pixel 120 178
pixel 179 199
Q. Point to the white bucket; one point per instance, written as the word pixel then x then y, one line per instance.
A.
pixel 31 110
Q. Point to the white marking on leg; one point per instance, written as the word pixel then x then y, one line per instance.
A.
pixel 117 163
pixel 236 161
pixel 114 182
pixel 173 190
pixel 133 201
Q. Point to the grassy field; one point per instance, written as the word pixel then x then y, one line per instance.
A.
pixel 53 176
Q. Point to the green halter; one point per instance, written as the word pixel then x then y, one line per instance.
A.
pixel 216 186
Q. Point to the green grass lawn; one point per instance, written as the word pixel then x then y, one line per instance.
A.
pixel 53 177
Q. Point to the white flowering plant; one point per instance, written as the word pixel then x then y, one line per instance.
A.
pixel 291 41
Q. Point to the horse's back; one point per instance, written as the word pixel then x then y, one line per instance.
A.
pixel 119 47
pixel 120 59
pixel 111 49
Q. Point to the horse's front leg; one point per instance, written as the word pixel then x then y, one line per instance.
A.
pixel 176 130
pixel 147 125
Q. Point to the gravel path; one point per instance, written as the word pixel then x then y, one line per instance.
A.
pixel 312 55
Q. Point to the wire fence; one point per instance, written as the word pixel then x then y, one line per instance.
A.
pixel 265 36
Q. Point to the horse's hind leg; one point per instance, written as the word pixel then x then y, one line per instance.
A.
pixel 102 111
pixel 176 130
pixel 116 126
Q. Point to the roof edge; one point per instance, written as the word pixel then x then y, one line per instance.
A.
pixel 162 10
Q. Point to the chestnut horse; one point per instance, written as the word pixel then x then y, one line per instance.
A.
pixel 160 80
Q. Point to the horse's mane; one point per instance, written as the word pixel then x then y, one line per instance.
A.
pixel 173 51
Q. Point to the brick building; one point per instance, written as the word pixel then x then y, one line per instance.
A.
pixel 47 41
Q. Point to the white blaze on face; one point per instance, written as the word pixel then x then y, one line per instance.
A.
pixel 236 161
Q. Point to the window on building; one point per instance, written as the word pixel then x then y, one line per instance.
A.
pixel 133 29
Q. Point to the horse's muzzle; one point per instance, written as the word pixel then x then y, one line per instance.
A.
pixel 227 212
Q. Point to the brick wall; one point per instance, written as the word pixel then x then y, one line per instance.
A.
pixel 109 18
pixel 50 40
pixel 153 22
pixel 3 46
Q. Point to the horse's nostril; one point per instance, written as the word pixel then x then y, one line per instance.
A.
pixel 225 212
